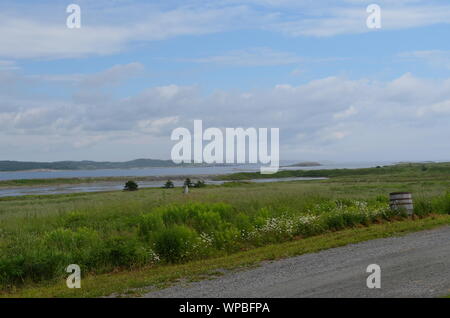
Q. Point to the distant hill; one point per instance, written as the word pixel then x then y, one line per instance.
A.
pixel 83 165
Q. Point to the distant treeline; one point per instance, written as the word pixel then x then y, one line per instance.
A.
pixel 83 165
pixel 403 169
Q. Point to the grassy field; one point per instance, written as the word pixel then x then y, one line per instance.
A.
pixel 127 240
pixel 71 181
pixel 408 170
pixel 136 282
pixel 418 170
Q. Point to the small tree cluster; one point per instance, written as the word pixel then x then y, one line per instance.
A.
pixel 200 184
pixel 169 184
pixel 190 184
pixel 130 186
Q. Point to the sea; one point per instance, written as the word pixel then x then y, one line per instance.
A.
pixel 169 172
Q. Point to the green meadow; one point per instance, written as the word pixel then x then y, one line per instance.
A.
pixel 151 230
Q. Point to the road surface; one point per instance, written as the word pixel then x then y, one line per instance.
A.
pixel 415 265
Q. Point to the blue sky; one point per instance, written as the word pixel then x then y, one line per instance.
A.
pixel 117 87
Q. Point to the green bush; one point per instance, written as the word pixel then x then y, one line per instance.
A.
pixel 128 235
pixel 74 220
pixel 175 244
pixel 169 185
pixel 131 186
pixel 227 239
pixel 150 223
pixel 120 251
pixel 422 207
pixel 441 204
pixel 34 264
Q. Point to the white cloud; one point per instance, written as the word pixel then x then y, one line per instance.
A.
pixel 252 57
pixel 436 58
pixel 337 20
pixel 111 76
pixel 442 108
pixel 24 38
pixel 332 117
pixel 112 28
pixel 155 126
pixel 346 113
pixel 8 65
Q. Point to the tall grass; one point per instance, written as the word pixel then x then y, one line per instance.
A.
pixel 132 234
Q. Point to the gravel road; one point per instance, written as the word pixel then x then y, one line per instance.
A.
pixel 415 265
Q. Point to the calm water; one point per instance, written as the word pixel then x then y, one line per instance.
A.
pixel 172 171
pixel 111 186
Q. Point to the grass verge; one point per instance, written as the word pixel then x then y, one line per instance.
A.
pixel 133 283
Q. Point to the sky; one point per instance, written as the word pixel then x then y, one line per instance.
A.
pixel 117 87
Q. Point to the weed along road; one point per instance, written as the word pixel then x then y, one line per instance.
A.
pixel 414 265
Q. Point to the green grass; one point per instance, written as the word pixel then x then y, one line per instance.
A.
pixel 409 170
pixel 70 181
pixel 136 282
pixel 157 229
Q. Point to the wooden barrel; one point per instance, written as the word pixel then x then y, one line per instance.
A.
pixel 402 200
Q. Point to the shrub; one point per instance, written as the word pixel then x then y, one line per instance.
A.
pixel 227 239
pixel 442 204
pixel 130 186
pixel 121 236
pixel 174 244
pixel 169 185
pixel 206 221
pixel 123 251
pixel 188 183
pixel 174 214
pixel 74 220
pixel 32 264
pixel 150 223
pixel 422 207
pixel 200 184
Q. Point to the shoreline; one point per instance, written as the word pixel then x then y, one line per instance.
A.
pixel 236 176
pixel 39 183
pixel 111 186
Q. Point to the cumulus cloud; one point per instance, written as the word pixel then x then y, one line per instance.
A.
pixel 109 29
pixel 352 20
pixel 25 37
pixel 112 76
pixel 346 113
pixel 332 117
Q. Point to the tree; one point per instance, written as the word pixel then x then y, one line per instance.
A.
pixel 200 184
pixel 130 186
pixel 169 184
pixel 188 183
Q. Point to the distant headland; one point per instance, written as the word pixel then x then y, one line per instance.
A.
pixel 83 165
pixel 306 164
